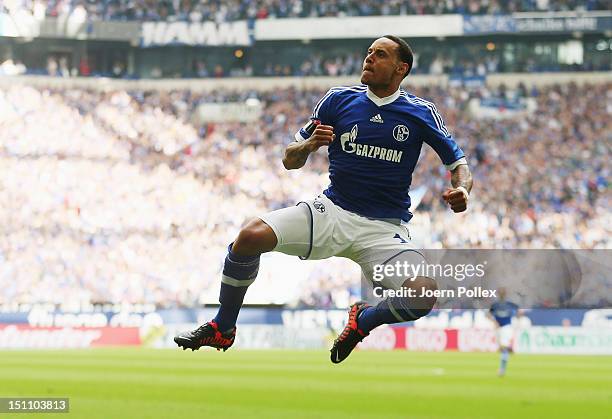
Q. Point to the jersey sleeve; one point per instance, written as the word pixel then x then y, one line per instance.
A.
pixel 443 143
pixel 321 112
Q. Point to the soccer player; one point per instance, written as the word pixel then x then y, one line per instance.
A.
pixel 502 311
pixel 374 133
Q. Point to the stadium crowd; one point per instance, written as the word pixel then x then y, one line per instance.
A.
pixel 344 64
pixel 125 196
pixel 223 11
pixel 475 64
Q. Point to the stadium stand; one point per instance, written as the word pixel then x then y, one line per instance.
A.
pixel 473 64
pixel 224 11
pixel 219 39
pixel 123 196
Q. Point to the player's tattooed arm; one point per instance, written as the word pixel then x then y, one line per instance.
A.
pixel 297 153
pixel 457 197
pixel 461 176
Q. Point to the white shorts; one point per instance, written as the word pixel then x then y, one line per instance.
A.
pixel 505 336
pixel 319 229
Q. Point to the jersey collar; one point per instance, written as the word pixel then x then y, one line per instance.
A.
pixel 380 101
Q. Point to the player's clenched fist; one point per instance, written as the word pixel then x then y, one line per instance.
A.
pixel 323 135
pixel 457 199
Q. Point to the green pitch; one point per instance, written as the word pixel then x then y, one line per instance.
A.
pixel 146 383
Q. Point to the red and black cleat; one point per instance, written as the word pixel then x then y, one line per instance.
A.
pixel 206 335
pixel 350 336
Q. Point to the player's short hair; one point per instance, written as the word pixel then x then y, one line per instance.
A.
pixel 403 51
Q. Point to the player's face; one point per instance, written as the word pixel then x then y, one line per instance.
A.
pixel 381 66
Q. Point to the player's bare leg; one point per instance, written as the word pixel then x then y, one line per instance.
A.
pixel 239 271
pixel 254 239
pixel 363 318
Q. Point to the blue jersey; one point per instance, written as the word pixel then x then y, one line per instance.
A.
pixel 377 146
pixel 503 311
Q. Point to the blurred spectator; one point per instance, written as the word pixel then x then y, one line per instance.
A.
pixel 12 68
pixel 52 66
pixel 84 68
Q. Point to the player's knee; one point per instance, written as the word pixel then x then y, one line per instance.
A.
pixel 425 291
pixel 255 238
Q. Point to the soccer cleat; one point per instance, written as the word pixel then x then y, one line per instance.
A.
pixel 350 336
pixel 206 335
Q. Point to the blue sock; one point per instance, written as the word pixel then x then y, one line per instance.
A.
pixel 369 319
pixel 504 360
pixel 238 273
pixel 389 311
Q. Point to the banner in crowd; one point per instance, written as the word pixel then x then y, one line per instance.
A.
pixel 297 318
pixel 500 108
pixel 76 26
pixel 23 336
pixel 431 340
pixel 244 33
pixel 456 80
pixel 249 111
pixel 357 27
pixel 535 23
pixel 533 340
pixel 488 24
pixel 256 337
pixel 579 23
pixel 201 34
pixel 565 340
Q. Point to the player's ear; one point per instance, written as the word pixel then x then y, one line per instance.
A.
pixel 402 68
